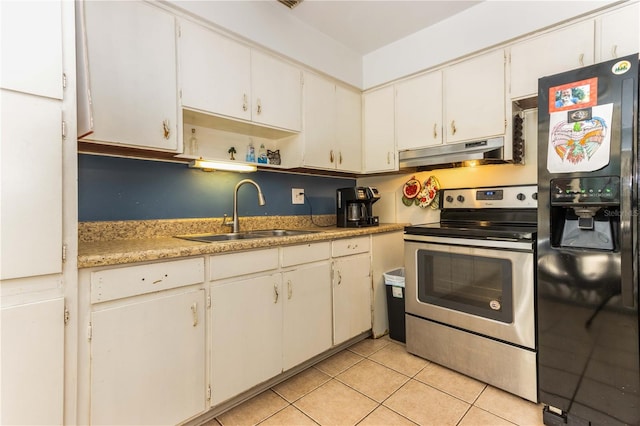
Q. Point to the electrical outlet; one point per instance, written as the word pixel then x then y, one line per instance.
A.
pixel 297 196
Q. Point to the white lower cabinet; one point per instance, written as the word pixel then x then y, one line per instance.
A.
pixel 147 343
pixel 148 361
pixel 351 288
pixel 32 367
pixel 266 324
pixel 307 313
pixel 246 334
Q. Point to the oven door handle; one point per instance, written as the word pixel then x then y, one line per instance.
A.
pixel 493 243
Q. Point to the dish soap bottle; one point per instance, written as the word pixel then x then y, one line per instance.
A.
pixel 192 143
pixel 262 155
pixel 251 154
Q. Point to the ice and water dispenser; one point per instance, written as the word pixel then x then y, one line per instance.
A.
pixel 585 212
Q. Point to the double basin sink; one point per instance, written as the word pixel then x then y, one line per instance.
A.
pixel 245 235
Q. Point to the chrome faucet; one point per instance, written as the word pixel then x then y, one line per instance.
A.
pixel 235 223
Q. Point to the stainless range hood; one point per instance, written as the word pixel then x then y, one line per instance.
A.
pixel 451 155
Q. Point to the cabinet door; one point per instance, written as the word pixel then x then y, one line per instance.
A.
pixel 32 47
pixel 619 33
pixel 551 53
pixel 474 98
pixel 31 186
pixel 379 130
pixel 214 72
pixel 307 313
pixel 246 334
pixel 319 122
pixel 148 361
pixel 351 297
pixel 419 111
pixel 276 92
pixel 348 129
pixel 32 363
pixel 132 66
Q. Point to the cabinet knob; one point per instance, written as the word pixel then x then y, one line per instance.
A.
pixel 166 129
pixel 453 127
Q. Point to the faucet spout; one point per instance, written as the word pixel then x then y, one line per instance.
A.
pixel 261 201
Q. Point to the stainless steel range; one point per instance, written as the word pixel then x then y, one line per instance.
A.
pixel 470 286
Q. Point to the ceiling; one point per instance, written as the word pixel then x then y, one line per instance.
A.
pixel 366 25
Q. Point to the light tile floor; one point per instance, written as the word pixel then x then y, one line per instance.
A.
pixel 377 382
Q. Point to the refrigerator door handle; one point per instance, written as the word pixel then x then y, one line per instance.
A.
pixel 628 199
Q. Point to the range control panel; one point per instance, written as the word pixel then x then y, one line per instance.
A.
pixel 504 197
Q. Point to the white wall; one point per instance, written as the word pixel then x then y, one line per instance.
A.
pixel 484 25
pixel 264 23
pixel 391 209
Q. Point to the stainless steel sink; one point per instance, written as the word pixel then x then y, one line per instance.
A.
pixel 245 235
pixel 280 232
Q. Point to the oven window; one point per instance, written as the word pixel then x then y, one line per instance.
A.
pixel 469 283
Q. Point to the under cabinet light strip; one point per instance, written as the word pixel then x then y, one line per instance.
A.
pixel 207 165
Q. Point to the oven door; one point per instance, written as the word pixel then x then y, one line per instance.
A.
pixel 468 285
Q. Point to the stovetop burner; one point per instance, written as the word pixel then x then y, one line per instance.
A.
pixel 485 213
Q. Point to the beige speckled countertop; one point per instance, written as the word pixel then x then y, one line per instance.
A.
pixel 107 251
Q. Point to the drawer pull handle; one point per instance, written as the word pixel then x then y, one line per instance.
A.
pixel 160 280
pixel 339 278
pixel 289 289
pixel 194 312
pixel 275 293
pixel 581 59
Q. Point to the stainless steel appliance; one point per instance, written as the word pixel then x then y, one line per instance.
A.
pixel 470 286
pixel 587 260
pixel 354 207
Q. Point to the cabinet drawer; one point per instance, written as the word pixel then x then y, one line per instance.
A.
pixel 111 284
pixel 231 265
pixel 305 253
pixel 350 246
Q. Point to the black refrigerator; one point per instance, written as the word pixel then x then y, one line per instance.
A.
pixel 587 250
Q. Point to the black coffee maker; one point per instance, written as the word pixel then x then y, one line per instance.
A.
pixel 354 206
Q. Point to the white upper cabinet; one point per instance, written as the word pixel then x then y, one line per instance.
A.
pixel 561 50
pixel 332 125
pixel 619 32
pixel 132 66
pixel 379 130
pixel 349 129
pixel 221 76
pixel 276 89
pixel 31 47
pixel 31 211
pixel 474 98
pixel 419 111
pixel 215 72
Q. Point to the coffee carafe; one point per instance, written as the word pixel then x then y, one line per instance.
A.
pixel 354 207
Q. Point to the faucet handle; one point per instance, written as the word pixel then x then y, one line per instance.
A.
pixel 225 222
